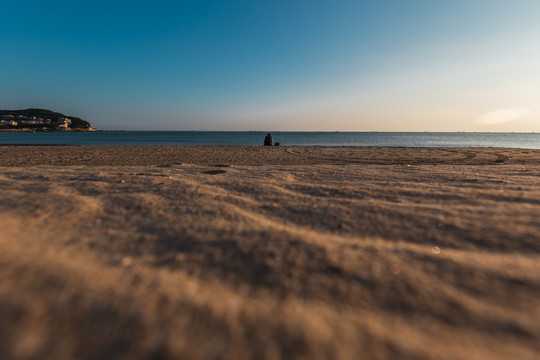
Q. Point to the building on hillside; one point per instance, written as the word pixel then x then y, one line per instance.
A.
pixel 32 122
pixel 7 123
pixel 63 123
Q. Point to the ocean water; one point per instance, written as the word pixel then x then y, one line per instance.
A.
pixel 406 139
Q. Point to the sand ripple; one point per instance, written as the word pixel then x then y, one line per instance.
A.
pixel 322 261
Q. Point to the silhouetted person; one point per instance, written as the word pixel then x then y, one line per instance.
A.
pixel 268 140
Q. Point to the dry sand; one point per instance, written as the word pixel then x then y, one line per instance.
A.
pixel 268 253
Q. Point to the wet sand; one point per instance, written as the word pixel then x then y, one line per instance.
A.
pixel 139 252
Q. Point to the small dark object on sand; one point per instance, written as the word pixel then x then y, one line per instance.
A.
pixel 214 172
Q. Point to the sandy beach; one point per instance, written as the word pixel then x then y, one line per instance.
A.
pixel 247 252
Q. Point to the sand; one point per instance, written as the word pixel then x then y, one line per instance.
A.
pixel 143 252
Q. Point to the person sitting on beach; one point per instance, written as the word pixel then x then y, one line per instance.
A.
pixel 268 140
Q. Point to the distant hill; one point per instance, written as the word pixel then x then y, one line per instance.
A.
pixel 76 123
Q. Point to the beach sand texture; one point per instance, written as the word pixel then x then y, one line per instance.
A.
pixel 158 252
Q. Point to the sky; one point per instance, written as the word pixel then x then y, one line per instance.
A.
pixel 347 65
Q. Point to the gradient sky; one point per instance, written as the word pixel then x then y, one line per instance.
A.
pixel 379 65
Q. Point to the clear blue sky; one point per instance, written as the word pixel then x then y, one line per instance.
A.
pixel 461 65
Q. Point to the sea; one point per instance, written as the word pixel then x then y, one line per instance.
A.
pixel 285 138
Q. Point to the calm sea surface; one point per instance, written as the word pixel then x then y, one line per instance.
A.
pixel 429 139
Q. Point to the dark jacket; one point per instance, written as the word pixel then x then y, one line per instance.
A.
pixel 268 140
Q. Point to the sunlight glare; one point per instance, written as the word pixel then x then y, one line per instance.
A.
pixel 502 116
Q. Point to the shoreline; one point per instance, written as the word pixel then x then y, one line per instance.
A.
pixel 26 130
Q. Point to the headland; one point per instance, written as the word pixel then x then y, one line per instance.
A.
pixel 41 120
